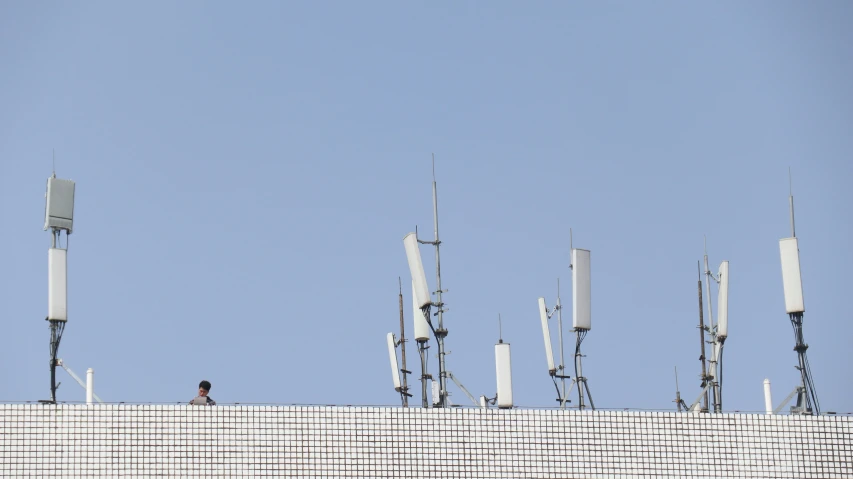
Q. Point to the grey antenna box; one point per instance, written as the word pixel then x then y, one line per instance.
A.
pixel 59 207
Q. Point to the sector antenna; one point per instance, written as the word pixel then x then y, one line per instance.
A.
pixel 58 218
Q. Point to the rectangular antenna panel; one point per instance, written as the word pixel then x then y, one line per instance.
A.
pixel 723 301
pixel 546 332
pixel 436 393
pixel 59 204
pixel 791 279
pixel 503 366
pixel 581 293
pixel 57 285
pixel 392 352
pixel 421 325
pixel 416 268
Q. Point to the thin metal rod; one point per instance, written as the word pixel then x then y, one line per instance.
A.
pixel 791 203
pixel 714 349
pixel 588 394
pixel 563 397
pixel 56 328
pixel 579 374
pixel 403 348
pixel 424 376
pixel 677 391
pixel 702 342
pixel 442 369
pixel 708 286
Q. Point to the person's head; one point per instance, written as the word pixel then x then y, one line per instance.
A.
pixel 203 388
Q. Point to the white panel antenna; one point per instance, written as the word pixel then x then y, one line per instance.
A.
pixel 581 293
pixel 791 278
pixel 57 302
pixel 768 399
pixel 59 204
pixel 421 325
pixel 723 302
pixel 416 268
pixel 436 392
pixel 503 366
pixel 392 353
pixel 546 333
pixel 58 217
pixel 807 401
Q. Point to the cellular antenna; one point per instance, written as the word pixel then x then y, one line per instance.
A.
pixel 58 217
pixel 792 283
pixel 425 304
pixel 556 372
pixel 712 377
pixel 404 389
pixel 392 354
pixel 581 318
pixel 503 372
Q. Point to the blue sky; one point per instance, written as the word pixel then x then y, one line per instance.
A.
pixel 245 176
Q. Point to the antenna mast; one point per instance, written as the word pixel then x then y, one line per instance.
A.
pixel 440 332
pixel 713 362
pixel 581 317
pixel 405 389
pixel 704 376
pixel 59 216
pixel 807 402
pixel 712 376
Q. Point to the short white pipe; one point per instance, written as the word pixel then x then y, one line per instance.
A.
pixel 90 385
pixel 768 401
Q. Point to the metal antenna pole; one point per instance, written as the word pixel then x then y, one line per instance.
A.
pixel 702 343
pixel 405 370
pixel 562 360
pixel 579 377
pixel 791 202
pixel 807 402
pixel 714 350
pixel 56 329
pixel 440 332
pixel 678 401
pixel 422 347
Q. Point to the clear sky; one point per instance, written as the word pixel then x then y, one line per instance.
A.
pixel 246 173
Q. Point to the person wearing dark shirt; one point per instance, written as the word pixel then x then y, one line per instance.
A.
pixel 203 399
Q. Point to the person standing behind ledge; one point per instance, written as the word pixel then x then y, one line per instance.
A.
pixel 203 399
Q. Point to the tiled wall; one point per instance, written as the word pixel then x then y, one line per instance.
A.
pixel 316 441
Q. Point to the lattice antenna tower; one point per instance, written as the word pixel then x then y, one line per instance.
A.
pixel 58 217
pixel 807 402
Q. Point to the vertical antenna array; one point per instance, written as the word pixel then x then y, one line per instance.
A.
pixel 441 332
pixel 424 304
pixel 579 263
pixel 807 402
pixel 59 216
pixel 581 318
pixel 711 397
pixel 702 358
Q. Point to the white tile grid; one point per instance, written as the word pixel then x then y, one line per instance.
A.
pixel 239 441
